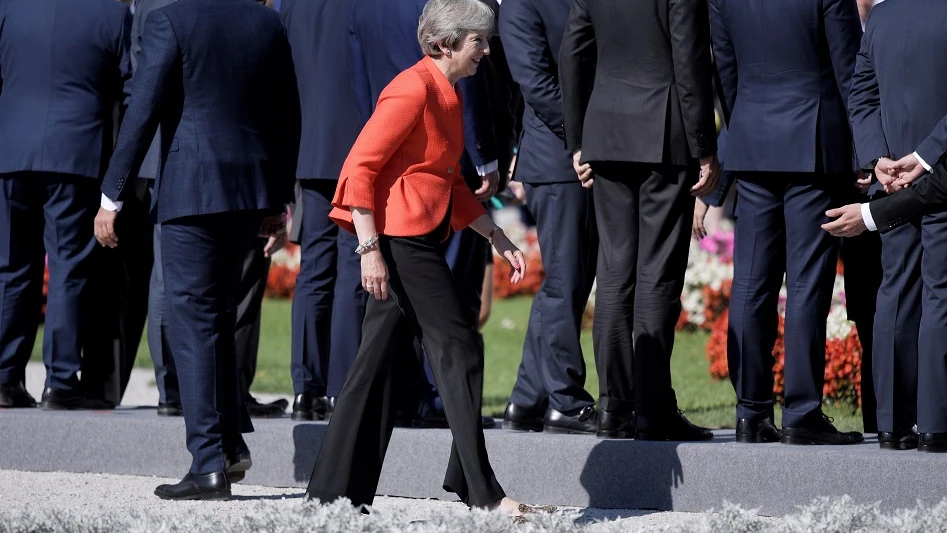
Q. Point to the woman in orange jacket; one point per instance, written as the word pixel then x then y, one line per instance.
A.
pixel 401 192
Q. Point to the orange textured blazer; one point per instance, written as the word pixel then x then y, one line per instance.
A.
pixel 405 164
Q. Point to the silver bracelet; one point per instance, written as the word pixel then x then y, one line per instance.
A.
pixel 367 245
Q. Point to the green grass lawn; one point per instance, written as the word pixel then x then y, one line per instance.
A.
pixel 707 401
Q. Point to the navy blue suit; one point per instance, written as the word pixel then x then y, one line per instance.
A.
pixel 553 370
pixel 899 106
pixel 786 71
pixel 384 41
pixel 63 65
pixel 329 302
pixel 229 124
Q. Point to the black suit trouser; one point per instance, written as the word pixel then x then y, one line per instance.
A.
pixel 644 215
pixel 932 342
pixel 423 301
pixel 553 370
pixel 778 233
pixel 121 308
pixel 56 211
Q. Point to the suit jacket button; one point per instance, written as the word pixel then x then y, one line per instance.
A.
pixel 450 170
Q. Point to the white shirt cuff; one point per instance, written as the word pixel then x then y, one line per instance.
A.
pixel 866 216
pixel 109 205
pixel 922 162
pixel 492 166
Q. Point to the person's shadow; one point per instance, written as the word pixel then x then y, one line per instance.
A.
pixel 626 474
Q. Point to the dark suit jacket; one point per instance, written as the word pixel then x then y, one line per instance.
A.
pixel 143 8
pixel 218 76
pixel 786 68
pixel 63 66
pixel 899 92
pixel 636 81
pixel 532 32
pixel 384 41
pixel 318 35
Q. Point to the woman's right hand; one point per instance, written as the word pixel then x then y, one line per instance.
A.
pixel 375 275
pixel 512 254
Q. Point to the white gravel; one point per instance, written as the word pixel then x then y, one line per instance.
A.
pixel 108 493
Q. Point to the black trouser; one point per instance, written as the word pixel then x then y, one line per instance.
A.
pixel 423 300
pixel 644 214
pixel 121 280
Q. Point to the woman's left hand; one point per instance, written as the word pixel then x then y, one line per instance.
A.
pixel 512 254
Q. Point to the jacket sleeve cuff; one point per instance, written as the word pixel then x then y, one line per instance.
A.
pixel 354 192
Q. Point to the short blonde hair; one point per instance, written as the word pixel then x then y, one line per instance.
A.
pixel 447 22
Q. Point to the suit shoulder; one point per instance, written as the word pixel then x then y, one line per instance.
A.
pixel 414 79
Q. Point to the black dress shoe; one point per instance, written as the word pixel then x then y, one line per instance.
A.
pixel 897 440
pixel 15 395
pixel 518 418
pixel 756 431
pixel 63 400
pixel 330 407
pixel 932 443
pixel 170 409
pixel 237 470
pixel 819 431
pixel 676 428
pixel 428 417
pixel 265 410
pixel 309 407
pixel 213 486
pixel 613 425
pixel 583 421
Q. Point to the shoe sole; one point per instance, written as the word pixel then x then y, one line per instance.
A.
pixel 210 497
pixel 897 446
pixel 565 431
pixel 809 441
pixel 754 439
pixel 268 415
pixel 521 426
pixel 238 471
pixel 926 448
pixel 614 435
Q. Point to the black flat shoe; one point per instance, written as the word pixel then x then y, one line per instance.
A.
pixel 676 428
pixel 582 421
pixel 757 431
pixel 64 400
pixel 237 470
pixel 430 418
pixel 819 432
pixel 897 440
pixel 170 409
pixel 517 418
pixel 309 407
pixel 613 425
pixel 266 410
pixel 932 443
pixel 15 396
pixel 213 486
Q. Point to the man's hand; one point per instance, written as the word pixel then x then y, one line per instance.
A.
pixel 709 176
pixel 886 173
pixel 582 170
pixel 519 192
pixel 105 228
pixel 274 244
pixel 700 212
pixel 908 169
pixel 848 223
pixel 488 186
pixel 863 182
